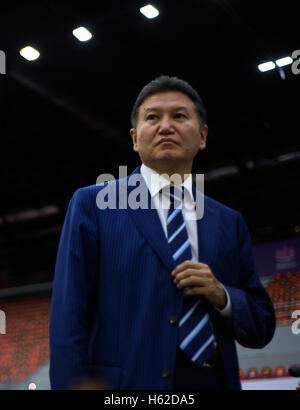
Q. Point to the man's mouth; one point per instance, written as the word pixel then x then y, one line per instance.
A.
pixel 169 140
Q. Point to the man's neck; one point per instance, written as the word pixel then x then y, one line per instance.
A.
pixel 174 174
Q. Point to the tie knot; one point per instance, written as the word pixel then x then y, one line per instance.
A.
pixel 176 196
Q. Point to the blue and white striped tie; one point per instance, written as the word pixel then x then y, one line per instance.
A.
pixel 195 332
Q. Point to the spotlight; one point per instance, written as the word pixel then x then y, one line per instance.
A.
pixel 266 66
pixel 29 53
pixel 149 11
pixel 284 61
pixel 82 34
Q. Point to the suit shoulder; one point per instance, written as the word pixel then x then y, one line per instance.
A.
pixel 89 194
pixel 93 190
pixel 87 190
pixel 219 207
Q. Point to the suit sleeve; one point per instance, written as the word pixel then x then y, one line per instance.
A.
pixel 253 316
pixel 73 293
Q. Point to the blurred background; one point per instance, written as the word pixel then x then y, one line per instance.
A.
pixel 69 75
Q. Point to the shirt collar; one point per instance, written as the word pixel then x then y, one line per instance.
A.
pixel 155 182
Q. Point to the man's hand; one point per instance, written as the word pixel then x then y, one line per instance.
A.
pixel 201 281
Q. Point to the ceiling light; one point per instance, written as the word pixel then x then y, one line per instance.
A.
pixel 29 53
pixel 266 66
pixel 290 156
pixel 82 34
pixel 284 61
pixel 222 172
pixel 149 11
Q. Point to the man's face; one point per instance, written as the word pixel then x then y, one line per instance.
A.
pixel 168 131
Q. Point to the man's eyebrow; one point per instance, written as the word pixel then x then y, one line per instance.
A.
pixel 182 108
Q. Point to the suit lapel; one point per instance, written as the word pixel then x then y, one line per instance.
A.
pixel 148 223
pixel 207 226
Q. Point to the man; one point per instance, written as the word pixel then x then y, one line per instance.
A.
pixel 138 306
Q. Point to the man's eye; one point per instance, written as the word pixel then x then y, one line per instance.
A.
pixel 180 115
pixel 151 117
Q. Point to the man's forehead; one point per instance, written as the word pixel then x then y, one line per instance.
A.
pixel 170 98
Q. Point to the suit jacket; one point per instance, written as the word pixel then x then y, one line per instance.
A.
pixel 113 294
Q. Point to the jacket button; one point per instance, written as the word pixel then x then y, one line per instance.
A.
pixel 165 373
pixel 172 319
pixel 241 332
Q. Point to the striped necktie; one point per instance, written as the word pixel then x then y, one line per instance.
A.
pixel 195 332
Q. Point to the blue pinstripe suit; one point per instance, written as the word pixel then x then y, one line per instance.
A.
pixel 113 294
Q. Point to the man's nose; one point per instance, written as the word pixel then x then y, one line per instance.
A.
pixel 166 125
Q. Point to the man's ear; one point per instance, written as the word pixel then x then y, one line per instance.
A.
pixel 203 136
pixel 134 139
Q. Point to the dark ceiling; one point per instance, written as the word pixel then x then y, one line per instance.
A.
pixel 65 117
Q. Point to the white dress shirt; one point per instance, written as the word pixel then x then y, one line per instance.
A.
pixel 155 183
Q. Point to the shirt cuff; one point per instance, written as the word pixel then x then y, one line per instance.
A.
pixel 227 310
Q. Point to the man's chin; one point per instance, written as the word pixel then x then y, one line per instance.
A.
pixel 169 154
pixel 168 161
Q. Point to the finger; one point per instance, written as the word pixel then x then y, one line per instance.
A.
pixel 186 273
pixel 189 265
pixel 201 273
pixel 197 290
pixel 193 281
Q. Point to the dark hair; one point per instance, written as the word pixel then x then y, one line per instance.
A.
pixel 163 84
